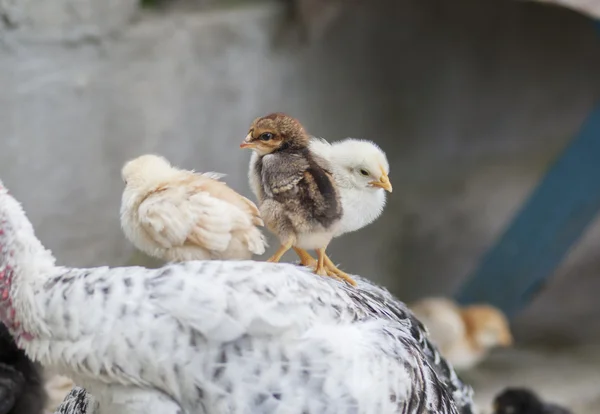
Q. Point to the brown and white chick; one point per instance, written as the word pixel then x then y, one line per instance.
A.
pixel 464 336
pixel 298 198
pixel 179 215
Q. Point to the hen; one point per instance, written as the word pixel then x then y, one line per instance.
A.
pixel 178 215
pixel 219 336
pixel 21 383
pixel 463 335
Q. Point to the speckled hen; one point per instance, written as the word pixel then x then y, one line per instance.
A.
pixel 219 336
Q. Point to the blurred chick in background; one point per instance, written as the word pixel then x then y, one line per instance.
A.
pixel 297 194
pixel 524 401
pixel 464 336
pixel 179 215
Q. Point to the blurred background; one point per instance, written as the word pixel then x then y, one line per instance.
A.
pixel 472 100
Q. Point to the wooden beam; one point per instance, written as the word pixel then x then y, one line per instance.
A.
pixel 549 224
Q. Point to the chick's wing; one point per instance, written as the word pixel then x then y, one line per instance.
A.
pixel 175 215
pixel 282 173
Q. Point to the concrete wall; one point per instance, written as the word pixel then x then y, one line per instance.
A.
pixel 470 101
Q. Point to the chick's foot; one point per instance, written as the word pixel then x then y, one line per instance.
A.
pixel 279 253
pixel 333 269
pixel 305 258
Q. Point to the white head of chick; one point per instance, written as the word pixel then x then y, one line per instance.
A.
pixel 360 169
pixel 178 215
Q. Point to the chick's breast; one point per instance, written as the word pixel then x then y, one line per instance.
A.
pixel 300 195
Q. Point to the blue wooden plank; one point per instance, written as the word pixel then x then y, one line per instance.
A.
pixel 542 233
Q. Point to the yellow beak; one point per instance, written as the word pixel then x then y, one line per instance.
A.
pixel 248 142
pixel 384 182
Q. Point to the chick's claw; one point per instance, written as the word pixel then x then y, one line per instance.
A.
pixel 333 269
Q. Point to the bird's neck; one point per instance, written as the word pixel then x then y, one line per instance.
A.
pixel 23 261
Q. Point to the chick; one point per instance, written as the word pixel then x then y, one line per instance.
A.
pixel 179 215
pixel 297 195
pixel 524 401
pixel 360 170
pixel 464 336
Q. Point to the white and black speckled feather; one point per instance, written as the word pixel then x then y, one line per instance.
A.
pixel 78 401
pixel 246 337
pixel 222 336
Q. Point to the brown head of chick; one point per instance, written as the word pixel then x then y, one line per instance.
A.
pixel 298 198
pixel 486 326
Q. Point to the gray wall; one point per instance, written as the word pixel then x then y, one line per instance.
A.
pixel 471 99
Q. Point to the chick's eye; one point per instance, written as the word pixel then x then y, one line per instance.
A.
pixel 364 172
pixel 267 136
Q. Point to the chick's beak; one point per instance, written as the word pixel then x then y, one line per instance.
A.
pixel 384 182
pixel 248 142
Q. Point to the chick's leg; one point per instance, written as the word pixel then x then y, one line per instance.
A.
pixel 332 268
pixel 305 258
pixel 320 269
pixel 280 252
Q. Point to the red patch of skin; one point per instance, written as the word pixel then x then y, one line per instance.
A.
pixel 9 313
pixel 6 280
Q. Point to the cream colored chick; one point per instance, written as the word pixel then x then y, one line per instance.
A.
pixel 360 170
pixel 464 336
pixel 179 215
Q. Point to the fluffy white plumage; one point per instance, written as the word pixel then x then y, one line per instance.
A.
pixel 178 215
pixel 220 337
pixel 360 169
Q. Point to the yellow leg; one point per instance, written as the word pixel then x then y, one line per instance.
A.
pixel 305 258
pixel 320 270
pixel 332 268
pixel 280 252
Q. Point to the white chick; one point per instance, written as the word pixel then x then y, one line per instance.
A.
pixel 466 335
pixel 179 215
pixel 360 170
